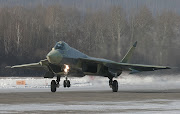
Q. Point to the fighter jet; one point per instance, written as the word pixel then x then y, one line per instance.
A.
pixel 64 60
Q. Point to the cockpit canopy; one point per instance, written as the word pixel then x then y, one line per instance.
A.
pixel 61 46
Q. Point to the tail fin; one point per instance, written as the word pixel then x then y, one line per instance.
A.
pixel 129 54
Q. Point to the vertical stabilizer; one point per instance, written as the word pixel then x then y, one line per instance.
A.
pixel 129 54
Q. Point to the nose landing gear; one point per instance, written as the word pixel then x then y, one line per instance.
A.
pixel 66 83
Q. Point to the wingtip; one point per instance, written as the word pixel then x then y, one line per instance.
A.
pixel 135 44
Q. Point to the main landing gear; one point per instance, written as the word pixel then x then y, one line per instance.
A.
pixel 55 84
pixel 113 85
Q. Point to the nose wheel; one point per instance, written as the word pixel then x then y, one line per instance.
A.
pixel 66 83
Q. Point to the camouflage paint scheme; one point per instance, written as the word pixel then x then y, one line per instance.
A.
pixel 81 64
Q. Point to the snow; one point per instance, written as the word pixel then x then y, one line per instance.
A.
pixel 126 82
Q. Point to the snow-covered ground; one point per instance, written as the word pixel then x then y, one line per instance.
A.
pixel 126 81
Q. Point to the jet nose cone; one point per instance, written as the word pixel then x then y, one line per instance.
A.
pixel 54 57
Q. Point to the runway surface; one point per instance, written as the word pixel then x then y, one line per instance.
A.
pixel 88 101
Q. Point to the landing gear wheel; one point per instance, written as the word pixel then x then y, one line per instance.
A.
pixel 68 83
pixel 65 83
pixel 53 86
pixel 115 86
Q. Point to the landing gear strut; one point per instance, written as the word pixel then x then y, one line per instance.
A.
pixel 113 85
pixel 58 80
pixel 55 84
pixel 66 83
pixel 110 83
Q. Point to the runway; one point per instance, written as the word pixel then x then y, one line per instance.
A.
pixel 88 101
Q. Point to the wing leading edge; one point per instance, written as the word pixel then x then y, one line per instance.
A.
pixel 40 65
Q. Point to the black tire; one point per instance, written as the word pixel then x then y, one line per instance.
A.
pixel 65 83
pixel 68 83
pixel 53 86
pixel 115 86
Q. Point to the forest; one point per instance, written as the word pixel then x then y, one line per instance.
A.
pixel 28 34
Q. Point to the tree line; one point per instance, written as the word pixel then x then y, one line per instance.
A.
pixel 28 34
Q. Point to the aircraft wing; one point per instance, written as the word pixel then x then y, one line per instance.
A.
pixel 124 66
pixel 40 65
